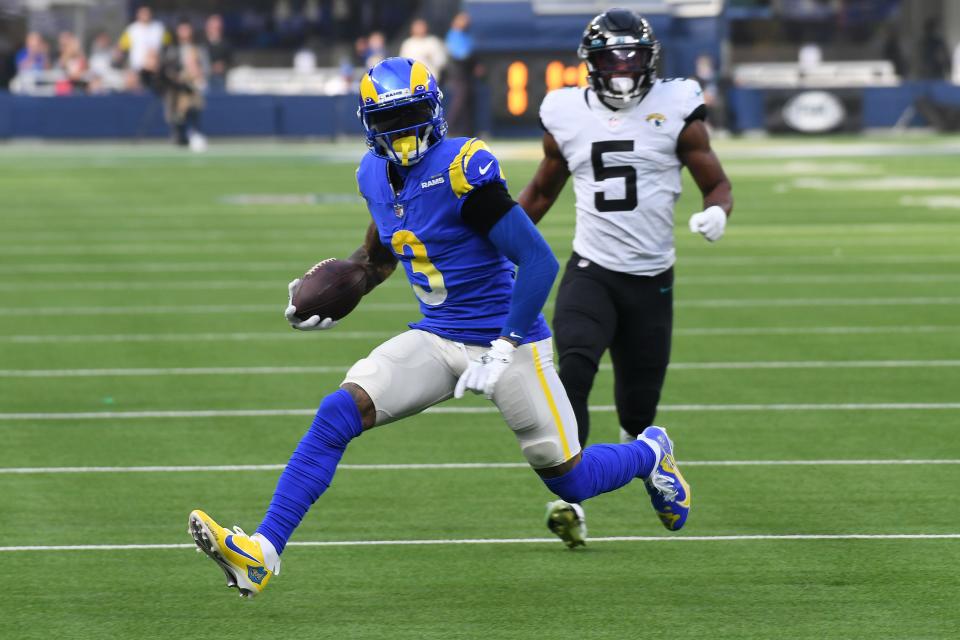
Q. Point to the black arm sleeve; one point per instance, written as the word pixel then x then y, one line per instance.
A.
pixel 485 205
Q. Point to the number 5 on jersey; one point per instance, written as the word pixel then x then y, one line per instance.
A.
pixel 603 172
pixel 421 264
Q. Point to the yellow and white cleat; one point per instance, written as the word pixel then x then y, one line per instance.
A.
pixel 568 522
pixel 237 554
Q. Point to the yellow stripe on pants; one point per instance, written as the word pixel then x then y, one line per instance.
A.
pixel 551 403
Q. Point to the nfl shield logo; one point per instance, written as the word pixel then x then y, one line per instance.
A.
pixel 398 210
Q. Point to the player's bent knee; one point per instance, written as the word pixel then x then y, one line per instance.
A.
pixel 577 370
pixel 368 413
pixel 542 454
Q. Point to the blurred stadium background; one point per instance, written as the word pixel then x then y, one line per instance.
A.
pixel 289 68
pixel 145 368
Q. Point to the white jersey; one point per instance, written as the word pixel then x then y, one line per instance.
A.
pixel 626 174
pixel 140 39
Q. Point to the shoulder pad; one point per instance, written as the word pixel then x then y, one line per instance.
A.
pixel 473 166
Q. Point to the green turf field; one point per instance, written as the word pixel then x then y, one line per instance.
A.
pixel 140 288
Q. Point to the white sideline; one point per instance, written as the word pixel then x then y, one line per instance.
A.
pixel 473 541
pixel 259 413
pixel 208 371
pixel 452 465
pixel 283 334
pixel 377 307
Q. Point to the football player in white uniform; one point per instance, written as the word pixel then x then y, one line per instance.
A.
pixel 625 139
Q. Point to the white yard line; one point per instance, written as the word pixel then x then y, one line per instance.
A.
pixel 150 267
pixel 804 331
pixel 718 261
pixel 220 266
pixel 376 307
pixel 818 302
pixel 453 466
pixel 274 284
pixel 290 370
pixel 246 285
pixel 172 371
pixel 280 334
pixel 260 413
pixel 812 364
pixel 475 541
pixel 342 334
pixel 907 278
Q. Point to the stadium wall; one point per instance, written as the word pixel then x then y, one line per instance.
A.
pixel 882 107
pixel 141 116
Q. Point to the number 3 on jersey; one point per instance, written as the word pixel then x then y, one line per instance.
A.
pixel 603 172
pixel 421 264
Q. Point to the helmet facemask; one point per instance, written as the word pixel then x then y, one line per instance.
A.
pixel 403 132
pixel 622 75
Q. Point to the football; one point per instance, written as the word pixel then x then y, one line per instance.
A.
pixel 331 289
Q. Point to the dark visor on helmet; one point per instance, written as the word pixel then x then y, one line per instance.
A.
pixel 634 60
pixel 407 116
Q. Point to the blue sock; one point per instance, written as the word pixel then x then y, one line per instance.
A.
pixel 310 469
pixel 603 468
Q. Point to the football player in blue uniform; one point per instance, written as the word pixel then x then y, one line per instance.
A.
pixel 481 272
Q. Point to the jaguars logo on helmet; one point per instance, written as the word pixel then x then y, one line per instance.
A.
pixel 621 54
pixel 400 110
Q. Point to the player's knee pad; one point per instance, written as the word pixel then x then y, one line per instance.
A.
pixel 542 454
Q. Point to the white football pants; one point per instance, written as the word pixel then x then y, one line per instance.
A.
pixel 416 370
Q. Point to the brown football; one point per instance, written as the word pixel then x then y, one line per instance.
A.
pixel 331 289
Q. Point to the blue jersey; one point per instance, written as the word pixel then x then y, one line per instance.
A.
pixel 463 282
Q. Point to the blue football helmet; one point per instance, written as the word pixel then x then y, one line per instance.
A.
pixel 400 110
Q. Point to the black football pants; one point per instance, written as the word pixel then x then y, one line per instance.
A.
pixel 598 309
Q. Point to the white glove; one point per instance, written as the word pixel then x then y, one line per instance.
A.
pixel 310 324
pixel 481 375
pixel 710 223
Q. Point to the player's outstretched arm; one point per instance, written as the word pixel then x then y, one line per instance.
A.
pixel 547 183
pixel 694 151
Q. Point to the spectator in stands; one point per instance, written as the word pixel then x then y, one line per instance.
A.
pixel 305 59
pixel 810 57
pixel 8 65
pixel 956 64
pixel 220 53
pixel 103 55
pixel 141 42
pixel 460 75
pixel 313 14
pixel 376 49
pixel 934 58
pixel 893 52
pixel 706 74
pixel 72 63
pixel 182 85
pixel 35 55
pixel 426 48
